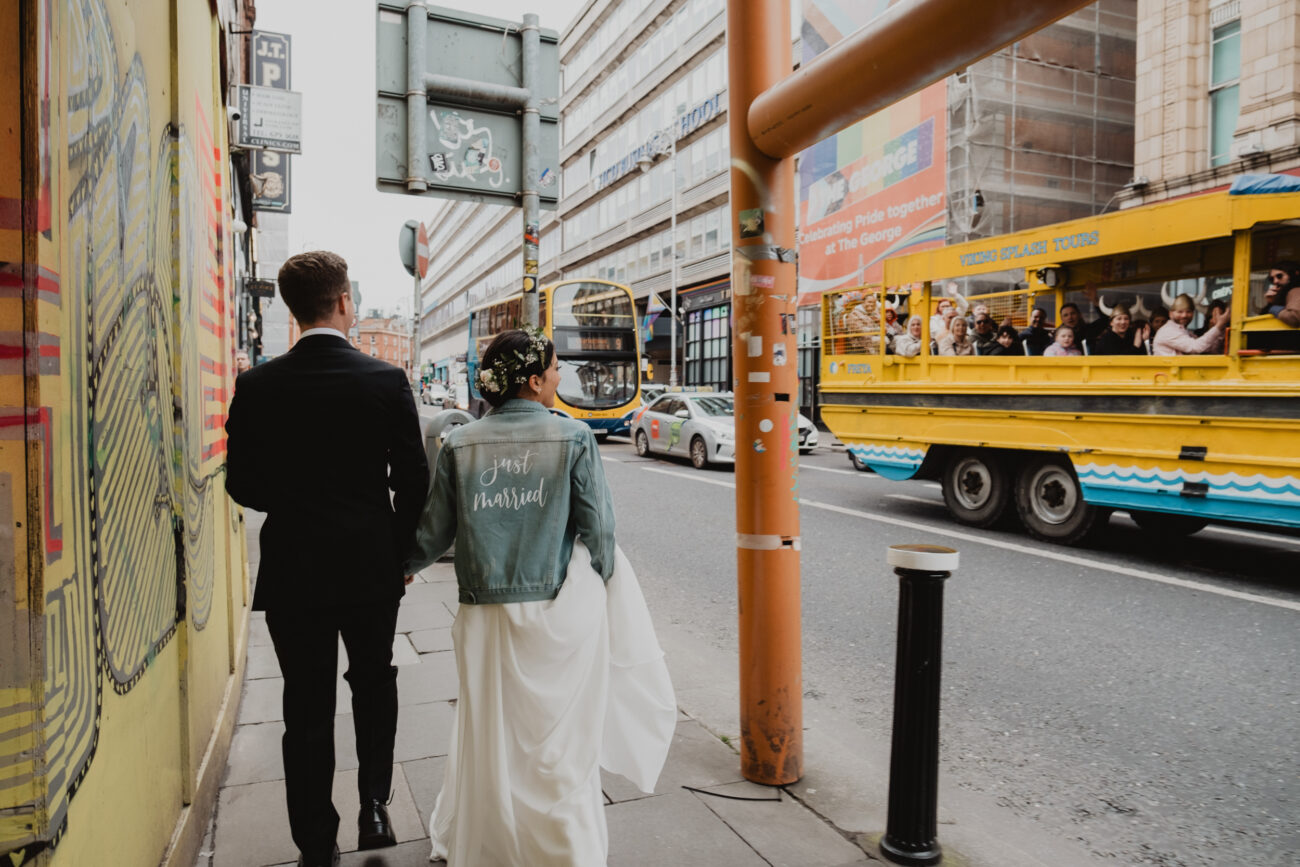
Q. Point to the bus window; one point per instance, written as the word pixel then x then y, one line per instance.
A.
pixel 597 384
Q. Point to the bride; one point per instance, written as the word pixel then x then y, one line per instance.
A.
pixel 560 671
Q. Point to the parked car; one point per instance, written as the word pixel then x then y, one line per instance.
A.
pixel 649 394
pixel 435 394
pixel 807 435
pixel 698 425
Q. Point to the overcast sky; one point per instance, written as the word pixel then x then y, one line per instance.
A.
pixel 335 203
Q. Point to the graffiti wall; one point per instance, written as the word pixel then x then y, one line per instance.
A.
pixel 122 590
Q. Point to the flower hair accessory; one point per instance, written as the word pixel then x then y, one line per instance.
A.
pixel 510 368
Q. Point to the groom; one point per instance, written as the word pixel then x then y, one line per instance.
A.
pixel 316 439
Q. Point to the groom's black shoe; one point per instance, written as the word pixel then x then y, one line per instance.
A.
pixel 374 829
pixel 330 859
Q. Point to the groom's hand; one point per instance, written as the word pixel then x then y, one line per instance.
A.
pixel 409 579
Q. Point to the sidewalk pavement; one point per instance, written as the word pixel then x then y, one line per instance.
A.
pixel 675 826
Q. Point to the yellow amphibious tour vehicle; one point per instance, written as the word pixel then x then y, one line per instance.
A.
pixel 1177 440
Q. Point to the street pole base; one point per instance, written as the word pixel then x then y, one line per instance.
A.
pixel 895 852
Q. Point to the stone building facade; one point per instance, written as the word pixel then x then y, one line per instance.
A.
pixel 1216 94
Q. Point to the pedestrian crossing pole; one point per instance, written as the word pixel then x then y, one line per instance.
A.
pixel 763 287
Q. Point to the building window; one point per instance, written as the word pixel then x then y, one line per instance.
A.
pixel 708 342
pixel 1225 73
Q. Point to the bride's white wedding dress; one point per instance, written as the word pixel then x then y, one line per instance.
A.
pixel 550 692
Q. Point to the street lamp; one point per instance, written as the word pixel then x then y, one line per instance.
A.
pixel 664 142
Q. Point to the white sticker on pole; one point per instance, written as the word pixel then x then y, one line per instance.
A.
pixel 760 376
pixel 756 346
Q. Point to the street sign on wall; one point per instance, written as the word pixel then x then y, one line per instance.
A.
pixel 269 170
pixel 473 150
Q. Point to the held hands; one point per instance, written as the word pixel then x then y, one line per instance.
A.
pixel 408 579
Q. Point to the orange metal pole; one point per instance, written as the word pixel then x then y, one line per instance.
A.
pixel 763 288
pixel 909 46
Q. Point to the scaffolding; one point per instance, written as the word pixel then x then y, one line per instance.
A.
pixel 1042 131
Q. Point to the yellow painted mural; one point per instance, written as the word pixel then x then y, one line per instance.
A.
pixel 123 596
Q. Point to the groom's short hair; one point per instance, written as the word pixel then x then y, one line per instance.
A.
pixel 310 283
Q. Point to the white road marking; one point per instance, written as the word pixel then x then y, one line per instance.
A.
pixel 1045 552
pixel 831 470
pixel 911 499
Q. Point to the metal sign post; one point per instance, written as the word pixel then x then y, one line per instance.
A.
pixel 413 247
pixel 467 109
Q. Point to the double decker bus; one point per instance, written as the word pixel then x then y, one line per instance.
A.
pixel 594 328
pixel 1061 442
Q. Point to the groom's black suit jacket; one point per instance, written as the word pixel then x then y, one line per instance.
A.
pixel 316 439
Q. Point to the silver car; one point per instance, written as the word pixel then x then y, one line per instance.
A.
pixel 700 426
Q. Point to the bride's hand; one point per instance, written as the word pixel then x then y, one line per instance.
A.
pixel 408 579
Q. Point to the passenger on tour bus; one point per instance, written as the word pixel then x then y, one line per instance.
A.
pixel 1283 296
pixel 1063 343
pixel 909 345
pixel 1006 343
pixel 985 331
pixel 1173 338
pixel 1036 337
pixel 1121 338
pixel 1159 316
pixel 956 341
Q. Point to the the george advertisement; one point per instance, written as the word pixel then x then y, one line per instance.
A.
pixel 876 189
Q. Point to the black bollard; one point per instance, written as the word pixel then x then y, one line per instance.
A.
pixel 911 836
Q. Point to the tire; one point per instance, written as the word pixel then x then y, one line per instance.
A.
pixel 976 488
pixel 858 464
pixel 1050 503
pixel 699 453
pixel 1165 524
pixel 601 435
pixel 642 444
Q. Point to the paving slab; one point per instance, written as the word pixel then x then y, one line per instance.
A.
pixel 404 653
pixel 434 678
pixel 423 730
pixel 431 640
pixel 406 818
pixel 431 591
pixel 253 826
pixel 262 662
pixel 786 832
pixel 255 754
pixel 675 829
pixel 423 615
pixel 696 758
pixel 424 776
pixel 258 634
pixel 263 701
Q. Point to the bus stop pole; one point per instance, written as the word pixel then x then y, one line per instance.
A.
pixel 531 133
pixel 763 288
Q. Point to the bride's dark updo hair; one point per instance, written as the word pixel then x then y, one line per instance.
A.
pixel 510 359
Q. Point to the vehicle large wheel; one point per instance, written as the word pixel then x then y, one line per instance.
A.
pixel 858 463
pixel 642 444
pixel 699 453
pixel 976 488
pixel 601 435
pixel 1165 524
pixel 1050 503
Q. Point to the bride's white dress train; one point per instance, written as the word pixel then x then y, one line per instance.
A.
pixel 550 692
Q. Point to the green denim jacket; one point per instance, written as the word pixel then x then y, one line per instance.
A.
pixel 513 490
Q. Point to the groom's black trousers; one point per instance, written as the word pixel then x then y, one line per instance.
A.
pixel 306 643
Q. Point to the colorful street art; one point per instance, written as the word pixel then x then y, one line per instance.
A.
pixel 115 313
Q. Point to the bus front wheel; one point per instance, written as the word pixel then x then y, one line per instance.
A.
pixel 976 488
pixel 1050 503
